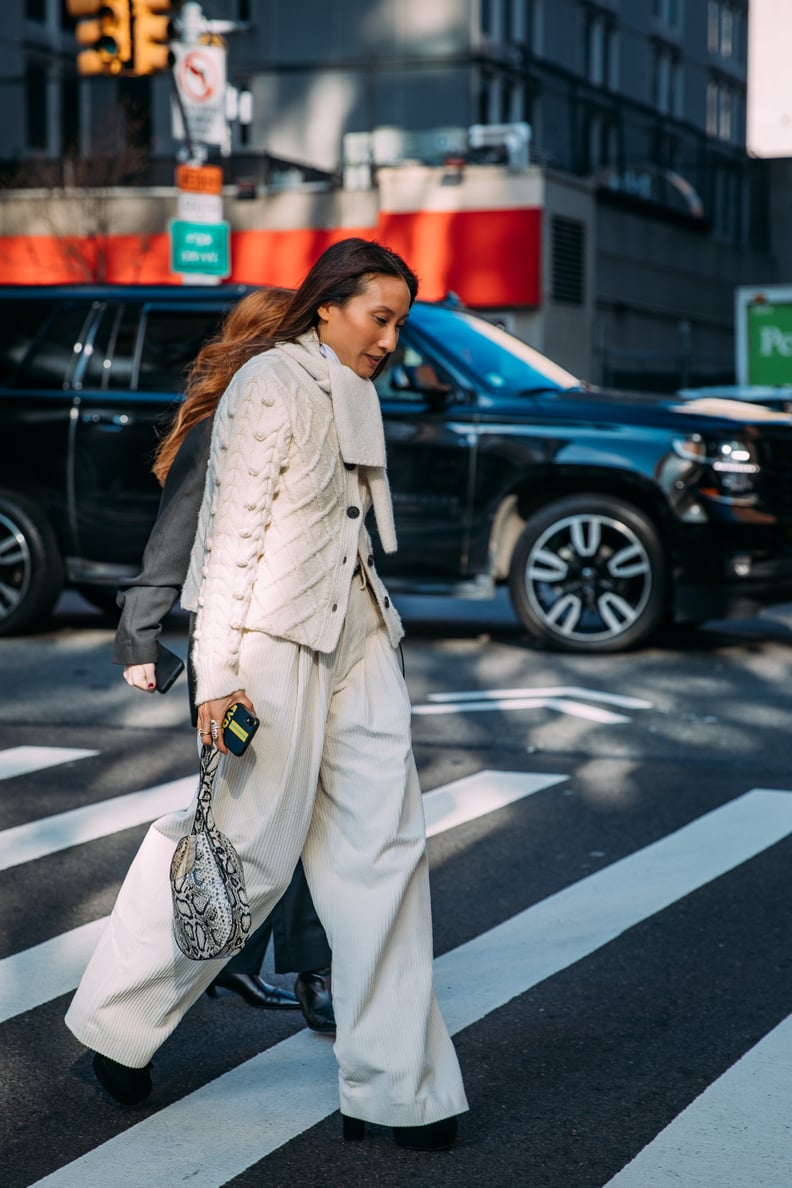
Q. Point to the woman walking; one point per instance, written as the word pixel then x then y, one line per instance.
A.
pixel 180 466
pixel 293 621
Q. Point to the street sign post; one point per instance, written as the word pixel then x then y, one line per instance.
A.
pixel 200 248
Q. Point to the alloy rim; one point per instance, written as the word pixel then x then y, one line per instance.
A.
pixel 15 566
pixel 588 578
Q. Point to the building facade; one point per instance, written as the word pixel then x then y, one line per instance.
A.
pixel 649 211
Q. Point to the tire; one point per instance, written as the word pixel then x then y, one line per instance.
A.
pixel 31 566
pixel 589 574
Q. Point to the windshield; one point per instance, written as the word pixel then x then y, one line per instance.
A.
pixel 500 360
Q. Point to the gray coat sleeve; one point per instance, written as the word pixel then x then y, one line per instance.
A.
pixel 147 598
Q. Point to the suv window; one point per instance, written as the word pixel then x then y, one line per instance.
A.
pixel 52 356
pixel 38 341
pixel 111 359
pixel 411 375
pixel 172 338
pixel 22 321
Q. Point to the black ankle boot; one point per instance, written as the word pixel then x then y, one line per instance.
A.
pixel 436 1136
pixel 126 1085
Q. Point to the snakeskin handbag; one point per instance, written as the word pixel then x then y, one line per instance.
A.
pixel 211 914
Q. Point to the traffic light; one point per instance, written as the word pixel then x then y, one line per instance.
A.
pixel 106 34
pixel 151 28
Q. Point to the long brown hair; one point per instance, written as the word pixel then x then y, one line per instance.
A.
pixel 257 314
pixel 340 273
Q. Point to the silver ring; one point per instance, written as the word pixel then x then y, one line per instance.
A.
pixel 213 727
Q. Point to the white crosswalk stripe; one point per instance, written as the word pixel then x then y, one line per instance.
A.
pixel 275 1096
pixel 24 843
pixel 736 1133
pixel 35 975
pixel 17 761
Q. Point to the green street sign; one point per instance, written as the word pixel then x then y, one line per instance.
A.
pixel 200 247
pixel 769 343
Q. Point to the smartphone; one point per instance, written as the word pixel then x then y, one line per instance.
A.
pixel 167 668
pixel 239 726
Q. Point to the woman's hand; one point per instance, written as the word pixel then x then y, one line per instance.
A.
pixel 141 676
pixel 214 711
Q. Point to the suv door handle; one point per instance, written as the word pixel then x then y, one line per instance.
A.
pixel 97 418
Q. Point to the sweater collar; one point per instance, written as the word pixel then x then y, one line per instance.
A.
pixel 356 406
pixel 358 422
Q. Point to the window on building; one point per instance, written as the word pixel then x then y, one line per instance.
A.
pixel 726 26
pixel 599 49
pixel 667 81
pixel 598 140
pixel 70 117
pixel 728 203
pixel 725 110
pixel 666 13
pixel 506 21
pixel 35 106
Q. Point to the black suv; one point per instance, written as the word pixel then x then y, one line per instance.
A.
pixel 606 512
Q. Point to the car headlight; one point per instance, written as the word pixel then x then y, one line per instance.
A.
pixel 733 463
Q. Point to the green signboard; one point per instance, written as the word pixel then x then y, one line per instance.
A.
pixel 769 335
pixel 200 247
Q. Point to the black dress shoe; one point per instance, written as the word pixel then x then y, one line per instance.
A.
pixel 255 991
pixel 127 1085
pixel 315 1000
pixel 436 1136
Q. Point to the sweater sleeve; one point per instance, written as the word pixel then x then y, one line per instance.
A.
pixel 249 446
pixel 146 599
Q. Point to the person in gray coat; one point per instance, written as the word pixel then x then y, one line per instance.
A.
pixel 299 938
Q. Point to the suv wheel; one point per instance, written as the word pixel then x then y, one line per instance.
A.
pixel 31 568
pixel 588 574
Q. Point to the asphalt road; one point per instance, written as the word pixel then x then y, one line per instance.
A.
pixel 610 845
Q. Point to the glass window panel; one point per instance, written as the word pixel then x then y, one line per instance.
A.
pixel 172 340
pixel 22 321
pixel 50 360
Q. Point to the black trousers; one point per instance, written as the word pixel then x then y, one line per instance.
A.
pixel 300 940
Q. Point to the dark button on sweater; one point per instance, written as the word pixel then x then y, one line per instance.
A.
pixel 353 512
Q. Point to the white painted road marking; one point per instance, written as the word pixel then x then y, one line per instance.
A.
pixel 43 972
pixel 476 795
pixel 549 691
pixel 563 698
pixel 36 975
pixel 277 1095
pixel 737 1133
pixel 35 839
pixel 16 761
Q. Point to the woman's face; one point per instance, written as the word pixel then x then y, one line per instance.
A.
pixel 366 329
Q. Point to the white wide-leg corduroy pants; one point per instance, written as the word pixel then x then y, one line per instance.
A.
pixel 330 776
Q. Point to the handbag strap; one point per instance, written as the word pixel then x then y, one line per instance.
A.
pixel 204 820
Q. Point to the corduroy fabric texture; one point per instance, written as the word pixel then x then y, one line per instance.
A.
pixel 330 775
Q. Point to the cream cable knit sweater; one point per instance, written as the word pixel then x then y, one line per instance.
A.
pixel 281 524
